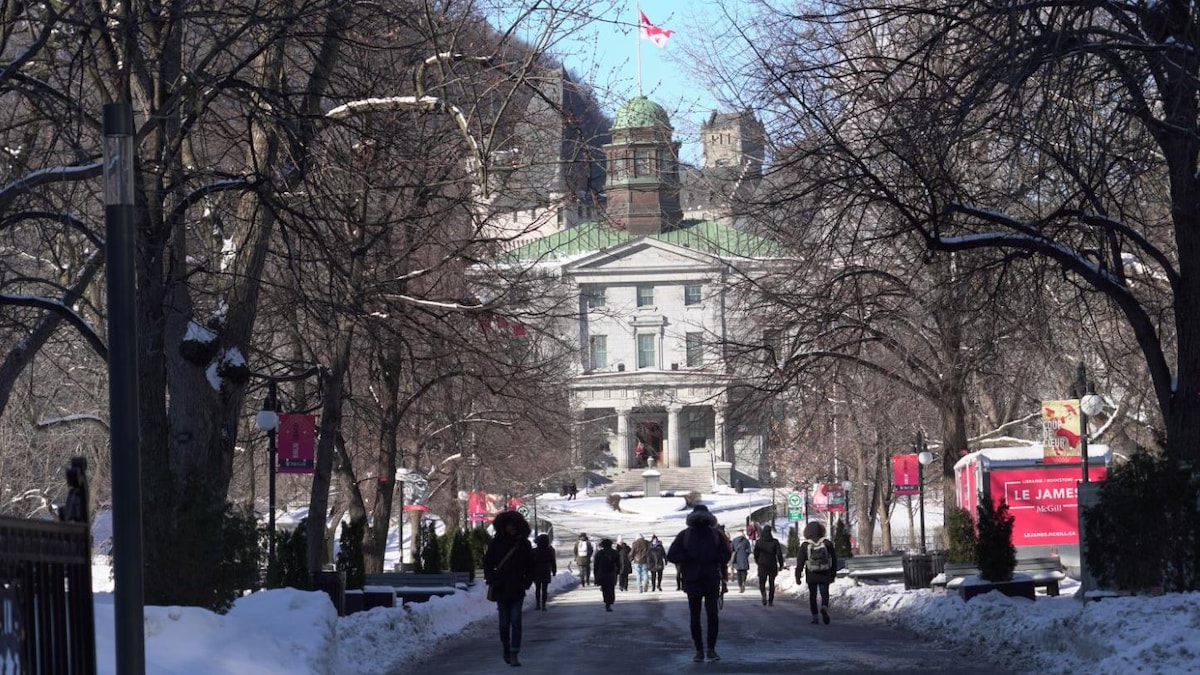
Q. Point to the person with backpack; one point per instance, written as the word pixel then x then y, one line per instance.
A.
pixel 768 555
pixel 701 553
pixel 742 548
pixel 607 564
pixel 508 571
pixel 545 566
pixel 583 558
pixel 818 559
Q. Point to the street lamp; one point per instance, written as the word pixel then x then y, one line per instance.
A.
pixel 924 459
pixel 774 475
pixel 267 419
pixel 120 252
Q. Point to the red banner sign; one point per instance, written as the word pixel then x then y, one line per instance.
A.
pixel 1043 502
pixel 906 474
pixel 828 498
pixel 297 443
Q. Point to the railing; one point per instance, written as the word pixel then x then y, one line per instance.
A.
pixel 47 621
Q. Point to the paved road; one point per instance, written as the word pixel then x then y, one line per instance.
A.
pixel 648 633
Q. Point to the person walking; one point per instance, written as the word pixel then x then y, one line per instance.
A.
pixel 626 564
pixel 637 554
pixel 701 552
pixel 583 558
pixel 656 561
pixel 742 548
pixel 818 558
pixel 572 490
pixel 768 555
pixel 508 570
pixel 545 566
pixel 606 565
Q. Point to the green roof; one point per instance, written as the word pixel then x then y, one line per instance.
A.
pixel 640 112
pixel 705 236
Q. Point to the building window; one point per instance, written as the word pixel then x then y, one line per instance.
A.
pixel 695 349
pixel 598 350
pixel 691 294
pixel 595 298
pixel 645 350
pixel 644 163
pixel 645 296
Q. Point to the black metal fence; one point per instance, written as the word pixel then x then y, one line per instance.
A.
pixel 47 617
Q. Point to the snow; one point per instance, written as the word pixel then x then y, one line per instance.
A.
pixel 290 631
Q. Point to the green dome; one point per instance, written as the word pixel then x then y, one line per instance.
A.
pixel 641 112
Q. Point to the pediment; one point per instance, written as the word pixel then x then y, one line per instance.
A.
pixel 643 255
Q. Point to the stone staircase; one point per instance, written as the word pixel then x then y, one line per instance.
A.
pixel 674 479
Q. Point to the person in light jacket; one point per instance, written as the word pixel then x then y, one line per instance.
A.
pixel 508 571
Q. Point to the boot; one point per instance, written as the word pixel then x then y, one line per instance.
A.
pixel 514 661
pixel 764 598
pixel 508 654
pixel 699 657
pixel 815 619
pixel 713 655
pixel 825 614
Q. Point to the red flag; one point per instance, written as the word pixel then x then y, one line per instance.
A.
pixel 653 33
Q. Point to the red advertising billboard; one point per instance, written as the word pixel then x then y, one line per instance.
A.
pixel 906 474
pixel 828 498
pixel 297 443
pixel 1043 501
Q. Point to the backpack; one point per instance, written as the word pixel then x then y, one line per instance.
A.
pixel 819 559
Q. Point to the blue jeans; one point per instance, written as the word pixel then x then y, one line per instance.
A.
pixel 510 623
pixel 640 569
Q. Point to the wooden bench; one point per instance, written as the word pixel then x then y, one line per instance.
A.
pixel 886 567
pixel 412 587
pixel 1046 571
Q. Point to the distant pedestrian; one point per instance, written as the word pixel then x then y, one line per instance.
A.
pixel 751 530
pixel 742 548
pixel 626 565
pixel 768 555
pixel 818 559
pixel 572 490
pixel 701 552
pixel 607 563
pixel 583 558
pixel 656 561
pixel 508 571
pixel 545 566
pixel 637 554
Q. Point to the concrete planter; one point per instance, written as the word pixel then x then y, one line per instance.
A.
pixel 1020 586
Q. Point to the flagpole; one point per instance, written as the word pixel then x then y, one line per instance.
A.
pixel 637 35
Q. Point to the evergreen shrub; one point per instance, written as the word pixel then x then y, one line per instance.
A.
pixel 841 540
pixel 793 545
pixel 995 556
pixel 1144 534
pixel 478 540
pixel 460 554
pixel 963 540
pixel 291 559
pixel 350 553
pixel 431 552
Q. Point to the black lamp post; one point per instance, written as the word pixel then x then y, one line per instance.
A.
pixel 267 419
pixel 774 475
pixel 924 458
pixel 129 601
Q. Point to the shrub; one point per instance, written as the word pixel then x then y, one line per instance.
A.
pixel 1143 533
pixel 793 546
pixel 460 554
pixel 614 501
pixel 963 540
pixel 241 557
pixel 431 553
pixel 291 560
pixel 478 540
pixel 841 539
pixel 691 499
pixel 350 552
pixel 995 556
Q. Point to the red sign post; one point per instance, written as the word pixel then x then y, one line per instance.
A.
pixel 906 475
pixel 297 443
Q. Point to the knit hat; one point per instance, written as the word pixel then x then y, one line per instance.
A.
pixel 583 535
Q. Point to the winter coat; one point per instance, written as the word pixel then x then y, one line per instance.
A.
pixel 515 576
pixel 605 565
pixel 826 577
pixel 656 557
pixel 701 553
pixel 638 551
pixel 585 559
pixel 768 554
pixel 741 553
pixel 626 563
pixel 545 563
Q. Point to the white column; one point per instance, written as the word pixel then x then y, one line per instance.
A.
pixel 622 449
pixel 674 450
pixel 719 432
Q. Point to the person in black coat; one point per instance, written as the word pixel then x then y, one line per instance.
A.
pixel 508 571
pixel 624 550
pixel 819 569
pixel 544 568
pixel 605 566
pixel 768 555
pixel 701 554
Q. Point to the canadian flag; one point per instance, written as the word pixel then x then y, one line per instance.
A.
pixel 653 33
